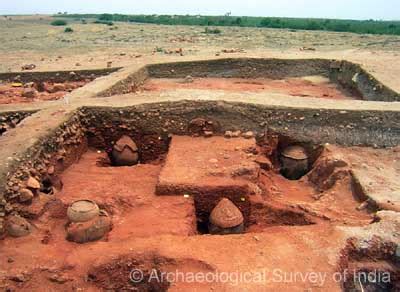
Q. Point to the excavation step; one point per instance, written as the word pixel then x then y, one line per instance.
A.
pixel 198 165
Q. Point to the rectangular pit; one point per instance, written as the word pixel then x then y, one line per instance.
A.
pixel 316 78
pixel 28 87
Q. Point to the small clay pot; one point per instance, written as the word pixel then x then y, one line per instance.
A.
pixel 82 211
pixel 294 162
pixel 226 218
pixel 92 230
pixel 18 227
pixel 124 152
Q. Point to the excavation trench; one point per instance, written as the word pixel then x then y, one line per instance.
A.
pixel 187 162
pixel 29 87
pixel 154 175
pixel 315 78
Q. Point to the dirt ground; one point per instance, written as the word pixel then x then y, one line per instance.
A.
pixel 27 40
pixel 11 93
pixel 313 86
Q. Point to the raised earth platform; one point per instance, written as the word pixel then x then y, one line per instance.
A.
pixel 226 167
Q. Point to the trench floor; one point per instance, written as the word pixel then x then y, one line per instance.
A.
pixel 309 86
pixel 145 223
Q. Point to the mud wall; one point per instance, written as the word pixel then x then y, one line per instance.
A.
pixel 56 76
pixel 361 83
pixel 348 128
pixel 242 68
pixel 129 84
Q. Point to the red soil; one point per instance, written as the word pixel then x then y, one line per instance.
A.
pixel 290 86
pixel 156 231
pixel 10 94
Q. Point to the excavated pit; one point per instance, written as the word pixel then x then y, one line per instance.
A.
pixel 191 155
pixel 181 176
pixel 29 87
pixel 187 174
pixel 314 78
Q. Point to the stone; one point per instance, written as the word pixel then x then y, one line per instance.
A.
pixel 28 67
pixel 92 230
pixel 248 135
pixel 33 183
pixel 208 133
pixel 25 195
pixel 58 87
pixel 225 216
pixel 17 226
pixel 29 84
pixel 125 152
pixel 20 278
pixel 58 278
pixel 50 170
pixel 29 93
pixel 228 134
pixel 188 79
pixel 236 134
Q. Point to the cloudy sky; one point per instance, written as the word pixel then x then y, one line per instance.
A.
pixel 346 9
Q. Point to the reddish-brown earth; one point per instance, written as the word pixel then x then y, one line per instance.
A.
pixel 45 91
pixel 290 228
pixel 313 86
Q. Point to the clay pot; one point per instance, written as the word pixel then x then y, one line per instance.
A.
pixel 91 230
pixel 18 227
pixel 294 162
pixel 226 218
pixel 124 152
pixel 82 211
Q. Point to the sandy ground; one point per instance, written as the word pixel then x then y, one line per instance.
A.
pixel 27 40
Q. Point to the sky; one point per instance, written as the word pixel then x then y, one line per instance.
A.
pixel 343 9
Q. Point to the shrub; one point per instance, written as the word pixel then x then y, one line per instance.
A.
pixel 212 30
pixel 110 23
pixel 68 29
pixel 59 22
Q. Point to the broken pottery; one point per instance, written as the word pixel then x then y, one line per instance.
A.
pixel 124 152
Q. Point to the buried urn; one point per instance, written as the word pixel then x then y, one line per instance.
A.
pixel 226 218
pixel 294 160
pixel 124 152
pixel 87 222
